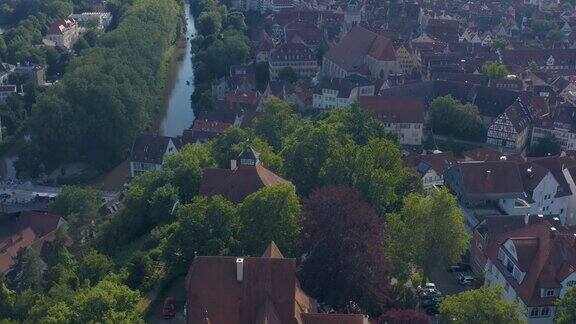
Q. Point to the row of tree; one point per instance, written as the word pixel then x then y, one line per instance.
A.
pixel 109 94
pixel 220 43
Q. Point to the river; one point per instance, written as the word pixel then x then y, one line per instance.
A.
pixel 179 114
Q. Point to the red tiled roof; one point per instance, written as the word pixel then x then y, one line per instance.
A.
pixel 349 53
pixel 60 25
pixel 237 184
pixel 491 177
pixel 394 110
pixel 547 256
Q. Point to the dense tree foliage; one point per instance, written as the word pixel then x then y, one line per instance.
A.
pixel 495 70
pixel 436 218
pixel 221 43
pixel 484 305
pixel 277 122
pixel 566 308
pixel 207 226
pixel 450 117
pixel 26 273
pixel 546 146
pixel 270 214
pixel 104 101
pixel 344 258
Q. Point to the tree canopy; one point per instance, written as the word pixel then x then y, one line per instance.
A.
pixel 344 258
pixel 422 220
pixel 483 305
pixel 450 117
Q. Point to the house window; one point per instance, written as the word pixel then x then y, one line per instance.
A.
pixel 571 283
pixel 549 292
pixel 545 312
pixel 534 312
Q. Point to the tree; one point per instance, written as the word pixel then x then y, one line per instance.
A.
pixel 450 117
pixel 422 220
pixel 288 74
pixel 277 122
pixel 185 169
pixel 209 22
pixel 26 273
pixel 140 272
pixel 80 207
pixel 207 226
pixel 495 70
pixel 94 267
pixel 262 75
pixel 7 300
pixel 546 146
pixel 270 214
pixel 344 258
pixel 404 316
pixel 499 44
pixel 566 308
pixel 555 36
pixel 107 302
pixel 229 145
pixel 379 174
pixel 484 305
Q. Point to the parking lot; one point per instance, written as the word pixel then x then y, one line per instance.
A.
pixel 447 284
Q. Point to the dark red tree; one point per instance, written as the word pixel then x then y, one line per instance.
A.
pixel 404 316
pixel 342 246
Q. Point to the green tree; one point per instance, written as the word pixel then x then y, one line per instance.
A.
pixel 495 70
pixel 229 145
pixel 484 305
pixel 140 272
pixel 450 117
pixel 546 146
pixel 7 300
pixel 107 302
pixel 288 74
pixel 80 207
pixel 94 267
pixel 26 273
pixel 499 44
pixel 185 169
pixel 422 220
pixel 208 226
pixel 566 308
pixel 270 214
pixel 209 22
pixel 262 75
pixel 378 174
pixel 555 36
pixel 277 122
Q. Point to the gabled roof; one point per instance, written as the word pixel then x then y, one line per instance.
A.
pixel 235 185
pixel 394 110
pixel 150 148
pixel 545 252
pixel 498 177
pixel 60 25
pixel 350 52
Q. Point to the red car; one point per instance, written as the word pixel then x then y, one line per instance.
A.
pixel 169 310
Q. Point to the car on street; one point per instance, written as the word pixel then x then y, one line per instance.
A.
pixel 460 267
pixel 426 286
pixel 465 280
pixel 169 310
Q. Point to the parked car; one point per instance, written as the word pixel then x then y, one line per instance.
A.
pixel 426 286
pixel 169 310
pixel 429 294
pixel 460 267
pixel 465 280
pixel 424 303
pixel 432 310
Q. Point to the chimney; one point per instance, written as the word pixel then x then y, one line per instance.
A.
pixel 233 165
pixel 239 269
pixel 526 219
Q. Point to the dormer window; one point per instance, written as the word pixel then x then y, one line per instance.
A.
pixel 249 162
